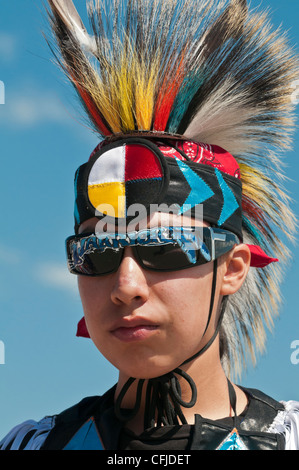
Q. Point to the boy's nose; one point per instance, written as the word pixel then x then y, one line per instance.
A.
pixel 130 281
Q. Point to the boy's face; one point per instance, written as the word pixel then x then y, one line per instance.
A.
pixel 147 323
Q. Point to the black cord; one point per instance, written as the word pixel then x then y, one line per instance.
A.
pixel 233 401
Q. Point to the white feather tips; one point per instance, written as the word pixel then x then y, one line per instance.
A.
pixel 71 18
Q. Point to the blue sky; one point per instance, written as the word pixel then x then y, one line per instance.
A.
pixel 42 142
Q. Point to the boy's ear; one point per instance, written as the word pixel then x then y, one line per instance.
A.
pixel 235 269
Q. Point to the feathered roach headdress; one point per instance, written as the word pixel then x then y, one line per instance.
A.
pixel 197 70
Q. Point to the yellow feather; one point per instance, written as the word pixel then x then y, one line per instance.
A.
pixel 145 95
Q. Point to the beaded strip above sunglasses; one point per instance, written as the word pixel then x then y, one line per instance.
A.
pixel 156 249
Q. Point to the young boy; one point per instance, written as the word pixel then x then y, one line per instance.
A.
pixel 177 240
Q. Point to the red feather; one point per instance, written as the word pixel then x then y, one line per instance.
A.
pixel 166 98
pixel 92 110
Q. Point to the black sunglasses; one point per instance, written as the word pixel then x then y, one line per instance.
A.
pixel 158 249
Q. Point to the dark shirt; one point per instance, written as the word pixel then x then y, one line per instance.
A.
pixel 205 434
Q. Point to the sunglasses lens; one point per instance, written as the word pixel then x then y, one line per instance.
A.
pixel 93 263
pixel 99 263
pixel 167 258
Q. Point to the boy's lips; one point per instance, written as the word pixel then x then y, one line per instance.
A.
pixel 137 329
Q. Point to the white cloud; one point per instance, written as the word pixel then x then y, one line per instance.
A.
pixel 50 274
pixel 55 275
pixel 32 107
pixel 9 255
pixel 8 47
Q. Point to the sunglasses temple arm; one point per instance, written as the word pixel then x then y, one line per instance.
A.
pixel 215 237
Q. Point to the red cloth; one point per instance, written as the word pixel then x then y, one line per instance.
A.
pixel 82 330
pixel 259 259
